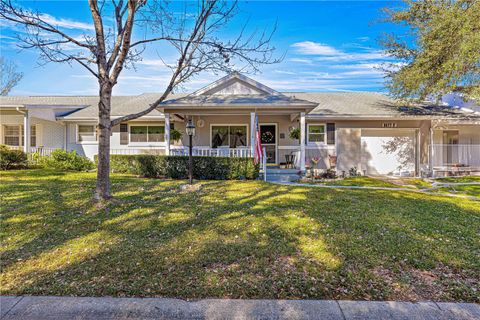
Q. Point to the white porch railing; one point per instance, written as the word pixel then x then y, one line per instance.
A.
pixel 222 152
pixel 132 151
pixel 213 152
pixel 455 155
pixel 43 151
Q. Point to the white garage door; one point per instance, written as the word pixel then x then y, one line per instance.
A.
pixel 388 151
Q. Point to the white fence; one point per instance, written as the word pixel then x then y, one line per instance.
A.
pixel 455 155
pixel 132 151
pixel 43 151
pixel 213 152
pixel 221 152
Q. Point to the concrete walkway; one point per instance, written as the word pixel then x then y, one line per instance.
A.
pixel 28 307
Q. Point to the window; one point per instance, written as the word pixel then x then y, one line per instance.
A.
pixel 330 133
pixel 123 133
pixel 13 135
pixel 229 136
pixel 316 133
pixel 33 136
pixel 86 133
pixel 147 133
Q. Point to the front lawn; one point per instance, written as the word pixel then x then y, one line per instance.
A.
pixel 468 190
pixel 463 179
pixel 383 182
pixel 237 239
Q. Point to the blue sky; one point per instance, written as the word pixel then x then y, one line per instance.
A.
pixel 328 46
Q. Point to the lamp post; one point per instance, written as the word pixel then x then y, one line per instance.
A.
pixel 190 128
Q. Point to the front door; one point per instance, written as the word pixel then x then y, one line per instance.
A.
pixel 268 137
pixel 450 140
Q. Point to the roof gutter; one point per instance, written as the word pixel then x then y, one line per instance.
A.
pixel 21 111
pixel 387 117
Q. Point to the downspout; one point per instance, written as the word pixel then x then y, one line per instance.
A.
pixel 65 137
pixel 26 130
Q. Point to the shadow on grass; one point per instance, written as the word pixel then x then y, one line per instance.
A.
pixel 232 239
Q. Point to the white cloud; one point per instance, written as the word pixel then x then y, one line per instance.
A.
pixel 323 52
pixel 152 62
pixel 315 48
pixel 300 60
pixel 357 66
pixel 363 39
pixel 66 23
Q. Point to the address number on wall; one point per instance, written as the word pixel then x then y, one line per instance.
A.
pixel 389 125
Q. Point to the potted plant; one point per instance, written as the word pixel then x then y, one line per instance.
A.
pixel 294 134
pixel 175 135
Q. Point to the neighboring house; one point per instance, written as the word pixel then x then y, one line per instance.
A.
pixel 365 130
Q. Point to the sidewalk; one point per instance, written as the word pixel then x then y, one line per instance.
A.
pixel 28 307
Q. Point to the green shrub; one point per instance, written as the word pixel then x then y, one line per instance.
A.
pixel 64 160
pixel 175 167
pixel 10 159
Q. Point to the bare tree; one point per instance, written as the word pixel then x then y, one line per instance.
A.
pixel 194 33
pixel 10 76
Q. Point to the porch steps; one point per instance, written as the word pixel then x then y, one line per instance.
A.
pixel 282 175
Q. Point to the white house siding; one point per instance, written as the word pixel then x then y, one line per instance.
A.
pixel 90 149
pixel 348 146
pixel 49 134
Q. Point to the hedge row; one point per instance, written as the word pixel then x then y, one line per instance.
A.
pixel 176 167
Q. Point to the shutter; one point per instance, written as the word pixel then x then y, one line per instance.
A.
pixel 330 133
pixel 123 133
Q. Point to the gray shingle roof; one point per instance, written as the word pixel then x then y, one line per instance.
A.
pixel 372 104
pixel 339 104
pixel 279 100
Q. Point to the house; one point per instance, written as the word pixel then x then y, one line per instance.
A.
pixel 363 130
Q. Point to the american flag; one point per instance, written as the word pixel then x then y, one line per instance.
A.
pixel 258 144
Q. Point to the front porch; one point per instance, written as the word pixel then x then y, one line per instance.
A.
pixel 455 159
pixel 454 148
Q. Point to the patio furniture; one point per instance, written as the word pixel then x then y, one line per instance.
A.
pixel 290 160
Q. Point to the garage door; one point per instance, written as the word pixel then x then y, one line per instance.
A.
pixel 388 151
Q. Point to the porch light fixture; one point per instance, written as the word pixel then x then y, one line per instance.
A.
pixel 190 128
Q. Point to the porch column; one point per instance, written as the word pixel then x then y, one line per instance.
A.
pixel 26 132
pixel 431 153
pixel 252 132
pixel 167 134
pixel 417 153
pixel 302 141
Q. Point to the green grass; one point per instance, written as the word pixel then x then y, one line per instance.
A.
pixel 237 239
pixel 460 179
pixel 468 190
pixel 361 181
pixel 364 181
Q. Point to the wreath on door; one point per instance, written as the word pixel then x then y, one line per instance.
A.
pixel 267 137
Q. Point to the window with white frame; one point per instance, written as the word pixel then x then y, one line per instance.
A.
pixel 147 133
pixel 86 133
pixel 316 133
pixel 233 136
pixel 13 135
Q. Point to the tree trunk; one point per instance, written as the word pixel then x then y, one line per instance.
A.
pixel 102 191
